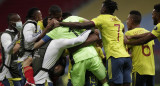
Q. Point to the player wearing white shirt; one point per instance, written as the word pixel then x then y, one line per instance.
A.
pixel 9 72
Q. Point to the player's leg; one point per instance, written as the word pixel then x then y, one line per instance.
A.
pixel 69 83
pixel 114 67
pixel 78 74
pixel 17 83
pixel 6 82
pixel 45 84
pixel 91 80
pixel 150 81
pixel 127 69
pixel 138 80
pixel 28 70
pixel 9 82
pixel 20 68
pixel 96 66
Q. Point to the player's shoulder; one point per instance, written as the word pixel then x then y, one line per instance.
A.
pixel 73 19
pixel 158 25
pixel 136 31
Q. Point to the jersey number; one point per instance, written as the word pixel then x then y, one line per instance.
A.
pixel 118 25
pixel 146 54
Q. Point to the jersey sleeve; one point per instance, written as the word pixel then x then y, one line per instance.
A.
pixel 156 31
pixel 97 21
pixel 128 33
pixel 74 19
pixel 29 33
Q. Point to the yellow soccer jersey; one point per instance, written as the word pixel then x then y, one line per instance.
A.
pixel 100 52
pixel 142 55
pixel 156 31
pixel 40 25
pixel 112 36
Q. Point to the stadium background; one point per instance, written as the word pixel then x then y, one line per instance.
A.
pixel 87 9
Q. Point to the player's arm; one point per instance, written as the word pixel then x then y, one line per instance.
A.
pixel 49 27
pixel 93 37
pixel 142 40
pixel 44 40
pixel 8 44
pixel 77 25
pixel 137 36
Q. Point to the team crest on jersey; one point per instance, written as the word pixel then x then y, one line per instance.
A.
pixel 155 28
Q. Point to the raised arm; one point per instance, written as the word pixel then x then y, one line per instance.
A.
pixel 93 37
pixel 77 25
pixel 49 27
pixel 137 36
pixel 142 40
pixel 76 41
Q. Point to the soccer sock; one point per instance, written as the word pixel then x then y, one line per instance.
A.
pixel 105 84
pixel 28 72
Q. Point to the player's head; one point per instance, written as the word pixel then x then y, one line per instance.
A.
pixel 156 14
pixel 14 21
pixel 134 19
pixel 55 12
pixel 108 7
pixel 34 14
pixel 46 21
pixel 66 15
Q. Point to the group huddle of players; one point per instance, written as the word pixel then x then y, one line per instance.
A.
pixel 34 53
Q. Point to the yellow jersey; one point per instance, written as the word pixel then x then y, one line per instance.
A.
pixel 40 25
pixel 142 55
pixel 100 52
pixel 112 36
pixel 156 31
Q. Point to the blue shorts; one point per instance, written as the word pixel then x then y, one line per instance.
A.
pixel 119 70
pixel 90 80
pixel 20 68
pixel 143 80
pixel 69 83
pixel 46 84
pixel 7 82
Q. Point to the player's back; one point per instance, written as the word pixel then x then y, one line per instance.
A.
pixel 111 29
pixel 142 55
pixel 66 32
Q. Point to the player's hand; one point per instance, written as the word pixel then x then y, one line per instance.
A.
pixel 56 23
pixel 50 23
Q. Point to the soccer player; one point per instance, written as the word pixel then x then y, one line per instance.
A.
pixel 9 74
pixel 53 53
pixel 146 37
pixel 119 62
pixel 63 33
pixel 142 55
pixel 81 56
pixel 30 34
pixel 90 79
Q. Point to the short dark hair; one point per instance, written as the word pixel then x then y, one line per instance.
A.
pixel 157 7
pixel 66 14
pixel 31 12
pixel 10 16
pixel 136 15
pixel 54 9
pixel 110 5
pixel 45 22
